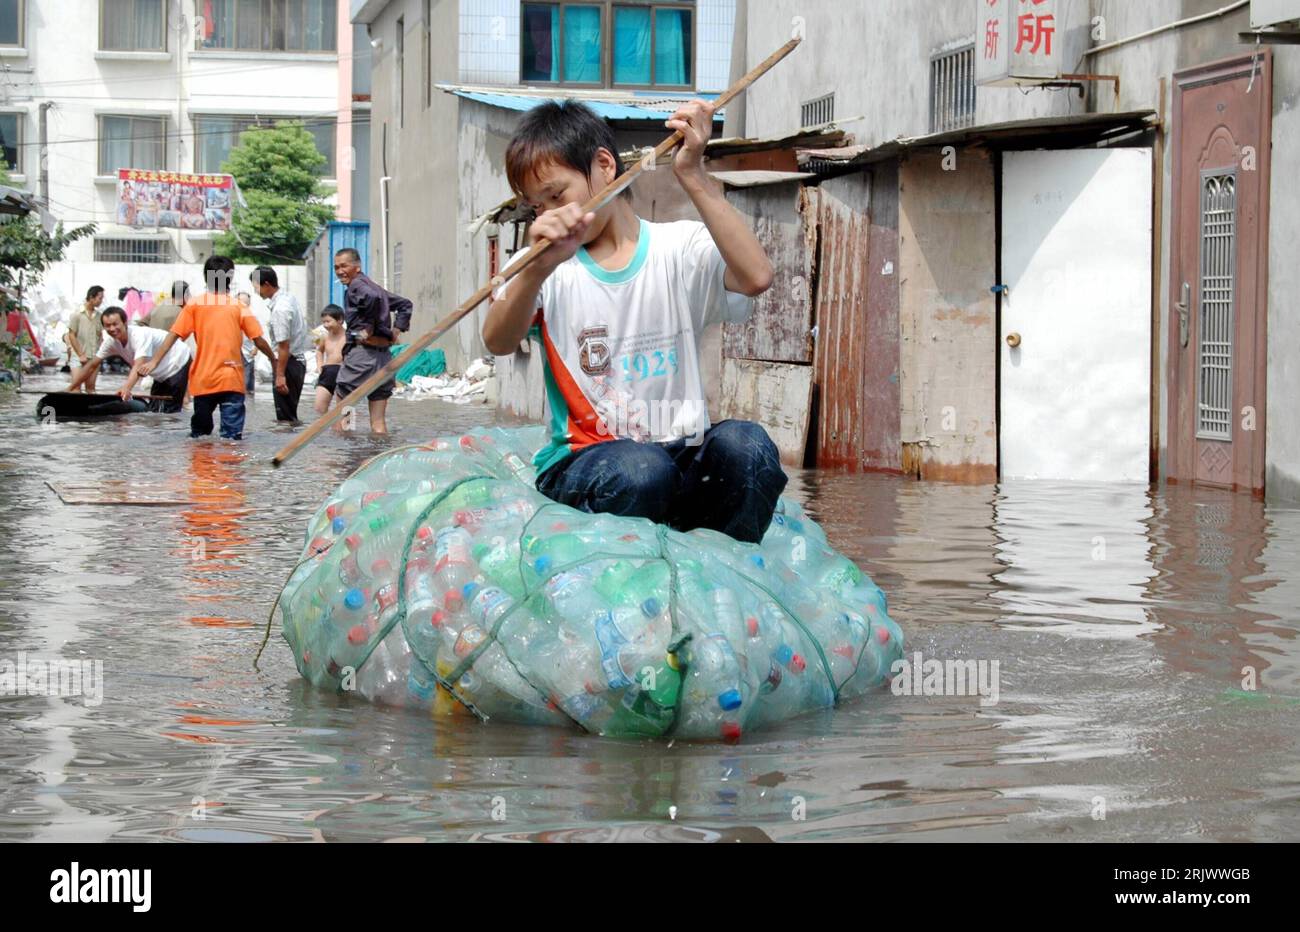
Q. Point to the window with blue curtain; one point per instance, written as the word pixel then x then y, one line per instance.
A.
pixel 582 45
pixel 672 46
pixel 649 44
pixel 652 45
pixel 545 28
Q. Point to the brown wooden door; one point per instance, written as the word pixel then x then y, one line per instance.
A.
pixel 1219 272
pixel 856 358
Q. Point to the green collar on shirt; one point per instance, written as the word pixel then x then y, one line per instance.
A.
pixel 628 272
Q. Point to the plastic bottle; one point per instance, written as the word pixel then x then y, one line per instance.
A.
pixel 453 565
pixel 488 605
pixel 350 609
pixel 557 551
pixel 499 564
pixel 383 676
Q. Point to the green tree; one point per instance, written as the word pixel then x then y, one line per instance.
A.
pixel 24 244
pixel 278 172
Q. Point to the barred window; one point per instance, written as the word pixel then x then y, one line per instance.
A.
pixel 132 250
pixel 817 112
pixel 952 89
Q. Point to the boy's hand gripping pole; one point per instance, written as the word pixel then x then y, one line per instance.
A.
pixel 610 191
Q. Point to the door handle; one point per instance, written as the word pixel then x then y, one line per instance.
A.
pixel 1013 340
pixel 1183 309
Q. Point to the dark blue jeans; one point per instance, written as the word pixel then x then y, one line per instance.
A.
pixel 232 415
pixel 728 482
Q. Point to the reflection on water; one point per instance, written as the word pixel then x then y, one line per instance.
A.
pixel 1125 622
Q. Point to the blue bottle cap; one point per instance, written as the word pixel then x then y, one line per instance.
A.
pixel 757 560
pixel 784 654
pixel 541 565
pixel 730 700
pixel 468 590
pixel 338 524
pixel 354 599
pixel 651 607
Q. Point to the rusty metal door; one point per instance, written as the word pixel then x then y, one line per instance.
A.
pixel 856 346
pixel 1219 273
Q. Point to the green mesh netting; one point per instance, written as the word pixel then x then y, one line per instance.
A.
pixel 438 577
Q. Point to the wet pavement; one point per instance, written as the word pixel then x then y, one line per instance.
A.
pixel 1128 625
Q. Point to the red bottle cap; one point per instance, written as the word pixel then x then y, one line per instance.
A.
pixel 358 634
pixel 882 634
pixel 797 663
pixel 731 732
pixel 425 532
pixel 353 541
pixel 751 625
pixel 453 600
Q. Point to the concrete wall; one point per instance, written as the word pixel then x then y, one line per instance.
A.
pixel 947 319
pixel 1282 444
pixel 418 154
pixel 875 57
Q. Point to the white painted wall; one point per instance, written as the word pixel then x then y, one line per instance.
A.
pixel 1282 444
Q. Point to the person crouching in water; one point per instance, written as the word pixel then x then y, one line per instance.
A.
pixel 618 305
pixel 135 345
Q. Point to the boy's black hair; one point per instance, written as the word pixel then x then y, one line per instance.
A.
pixel 217 273
pixel 93 291
pixel 567 133
pixel 180 292
pixel 112 312
pixel 332 310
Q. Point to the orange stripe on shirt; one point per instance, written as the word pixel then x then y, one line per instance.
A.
pixel 584 423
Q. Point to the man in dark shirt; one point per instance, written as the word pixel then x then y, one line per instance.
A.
pixel 373 318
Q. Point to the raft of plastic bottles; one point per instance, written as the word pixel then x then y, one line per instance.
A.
pixel 438 577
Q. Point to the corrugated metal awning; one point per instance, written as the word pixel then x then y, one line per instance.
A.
pixel 641 105
pixel 1079 129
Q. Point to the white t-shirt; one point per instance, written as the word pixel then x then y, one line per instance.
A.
pixel 620 352
pixel 142 343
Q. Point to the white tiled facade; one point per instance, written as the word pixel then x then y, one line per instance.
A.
pixel 489 42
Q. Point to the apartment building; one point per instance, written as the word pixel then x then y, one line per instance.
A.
pixel 91 86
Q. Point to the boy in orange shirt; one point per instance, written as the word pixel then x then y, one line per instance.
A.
pixel 218 323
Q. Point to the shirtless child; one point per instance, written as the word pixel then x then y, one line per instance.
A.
pixel 329 356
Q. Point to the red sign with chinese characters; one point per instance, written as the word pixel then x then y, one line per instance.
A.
pixel 1017 41
pixel 173 199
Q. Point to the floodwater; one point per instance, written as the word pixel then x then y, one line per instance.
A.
pixel 1125 622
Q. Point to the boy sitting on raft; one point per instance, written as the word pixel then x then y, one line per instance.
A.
pixel 617 305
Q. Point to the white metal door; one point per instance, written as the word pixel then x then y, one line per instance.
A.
pixel 1076 315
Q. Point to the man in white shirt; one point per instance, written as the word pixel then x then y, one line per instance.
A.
pixel 288 332
pixel 136 345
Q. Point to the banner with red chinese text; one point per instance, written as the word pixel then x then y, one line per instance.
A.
pixel 1018 40
pixel 174 199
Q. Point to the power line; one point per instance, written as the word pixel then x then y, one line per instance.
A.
pixel 305 121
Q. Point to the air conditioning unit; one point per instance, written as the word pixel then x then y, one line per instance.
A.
pixel 1283 15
